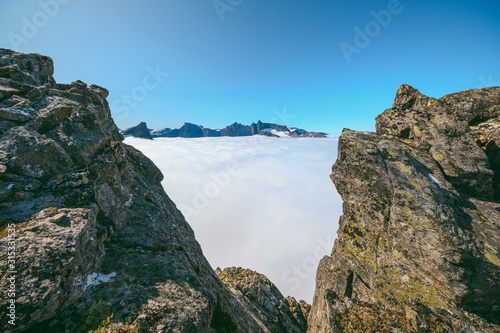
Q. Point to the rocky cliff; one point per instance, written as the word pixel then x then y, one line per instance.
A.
pixel 418 245
pixel 88 237
pixel 279 314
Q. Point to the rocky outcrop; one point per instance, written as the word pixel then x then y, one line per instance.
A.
pixel 442 128
pixel 418 245
pixel 97 242
pixel 139 131
pixel 267 304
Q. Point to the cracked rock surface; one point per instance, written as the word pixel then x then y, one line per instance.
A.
pixel 267 304
pixel 418 244
pixel 96 235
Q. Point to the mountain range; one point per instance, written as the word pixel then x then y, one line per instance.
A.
pixel 189 130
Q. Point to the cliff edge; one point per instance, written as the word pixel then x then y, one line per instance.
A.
pixel 418 244
pixel 89 240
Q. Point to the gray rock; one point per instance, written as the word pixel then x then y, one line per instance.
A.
pixel 265 301
pixel 418 245
pixel 441 128
pixel 97 239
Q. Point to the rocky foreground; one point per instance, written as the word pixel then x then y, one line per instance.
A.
pixel 418 245
pixel 98 244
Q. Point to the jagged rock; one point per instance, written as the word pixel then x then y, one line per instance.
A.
pixel 139 131
pixel 418 245
pixel 441 128
pixel 96 236
pixel 29 69
pixel 487 136
pixel 256 292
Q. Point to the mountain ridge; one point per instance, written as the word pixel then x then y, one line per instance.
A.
pixel 189 130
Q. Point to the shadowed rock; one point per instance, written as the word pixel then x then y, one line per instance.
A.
pixel 96 236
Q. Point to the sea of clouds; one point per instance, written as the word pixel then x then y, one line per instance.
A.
pixel 258 202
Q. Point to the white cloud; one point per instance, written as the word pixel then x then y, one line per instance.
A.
pixel 262 203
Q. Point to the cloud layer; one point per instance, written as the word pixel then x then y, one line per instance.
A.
pixel 262 203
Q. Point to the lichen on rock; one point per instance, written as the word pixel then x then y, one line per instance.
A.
pixel 93 223
pixel 418 242
pixel 267 304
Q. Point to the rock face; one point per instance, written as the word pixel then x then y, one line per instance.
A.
pixel 267 304
pixel 96 237
pixel 418 245
pixel 139 131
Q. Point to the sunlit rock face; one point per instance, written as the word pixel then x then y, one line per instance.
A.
pixel 97 241
pixel 278 313
pixel 418 246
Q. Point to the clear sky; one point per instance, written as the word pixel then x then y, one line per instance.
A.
pixel 321 65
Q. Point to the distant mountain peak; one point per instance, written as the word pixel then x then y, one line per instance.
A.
pixel 139 131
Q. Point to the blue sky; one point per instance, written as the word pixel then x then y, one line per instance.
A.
pixel 277 61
